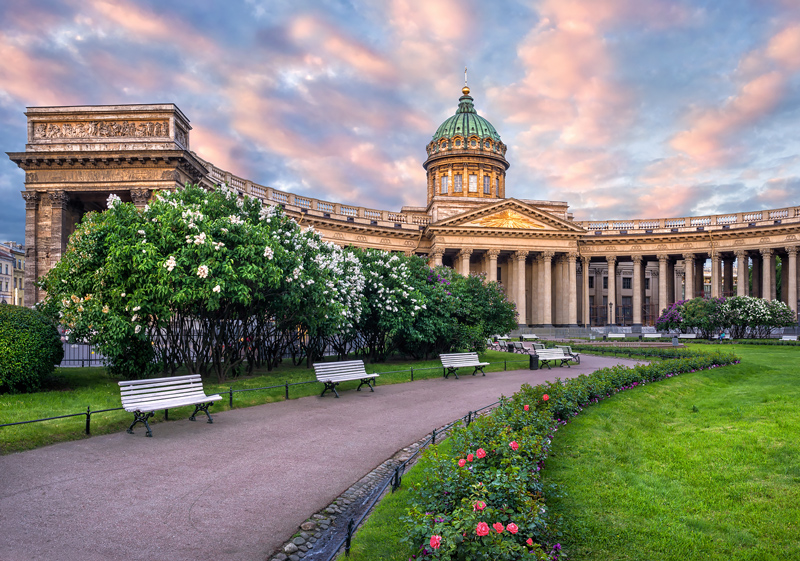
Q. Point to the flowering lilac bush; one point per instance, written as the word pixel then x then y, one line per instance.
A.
pixel 740 315
pixel 485 499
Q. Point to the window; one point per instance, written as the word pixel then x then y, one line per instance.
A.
pixel 487 185
pixel 444 184
pixel 15 282
pixel 473 183
pixel 473 143
pixel 605 283
pixel 457 183
pixel 499 276
pixel 487 144
pixel 647 283
pixel 457 143
pixel 6 268
pixel 626 282
pixel 497 187
pixel 591 281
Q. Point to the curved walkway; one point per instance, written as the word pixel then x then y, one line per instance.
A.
pixel 234 490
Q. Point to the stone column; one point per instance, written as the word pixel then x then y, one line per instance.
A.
pixel 519 284
pixel 663 301
pixel 715 277
pixel 791 279
pixel 545 291
pixel 572 297
pixel 463 261
pixel 585 292
pixel 688 274
pixel 435 257
pixel 637 290
pixel 32 200
pixel 140 197
pixel 491 260
pixel 766 273
pixel 742 273
pixel 727 276
pixel 612 289
pixel 558 281
pixel 773 286
pixel 535 306
pixel 58 234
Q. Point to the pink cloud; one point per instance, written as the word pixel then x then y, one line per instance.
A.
pixel 31 79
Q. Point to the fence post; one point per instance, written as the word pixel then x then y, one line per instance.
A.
pixel 412 373
pixel 349 537
pixel 88 419
pixel 230 397
pixel 505 364
pixel 433 437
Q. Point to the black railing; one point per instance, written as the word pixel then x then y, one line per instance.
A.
pixel 285 386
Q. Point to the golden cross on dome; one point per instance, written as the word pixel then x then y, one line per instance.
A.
pixel 465 89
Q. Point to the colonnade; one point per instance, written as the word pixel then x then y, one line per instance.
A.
pixel 567 288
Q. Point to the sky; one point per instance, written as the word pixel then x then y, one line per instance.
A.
pixel 622 108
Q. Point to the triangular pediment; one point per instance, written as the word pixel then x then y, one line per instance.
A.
pixel 509 214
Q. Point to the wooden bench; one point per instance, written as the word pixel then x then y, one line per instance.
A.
pixel 528 337
pixel 332 373
pixel 553 355
pixel 652 336
pixel 616 336
pixel 568 350
pixel 687 336
pixel 144 397
pixel 451 362
pixel 517 347
pixel 789 338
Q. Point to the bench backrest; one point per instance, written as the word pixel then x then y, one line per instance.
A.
pixel 566 348
pixel 456 359
pixel 687 336
pixel 342 369
pixel 551 353
pixel 789 338
pixel 136 393
pixel 652 335
pixel 616 335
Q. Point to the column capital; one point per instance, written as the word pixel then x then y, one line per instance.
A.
pixel 586 259
pixel 791 249
pixel 653 274
pixel 611 259
pixel 58 199
pixel 493 253
pixel 521 254
pixel 572 257
pixel 662 257
pixel 548 255
pixel 465 252
pixel 766 251
pixel 740 253
pixel 688 256
pixel 436 251
pixel 715 256
pixel 32 199
pixel 637 259
pixel 140 196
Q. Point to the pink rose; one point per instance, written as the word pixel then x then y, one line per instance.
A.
pixel 512 528
pixel 481 453
pixel 469 457
pixel 545 397
pixel 482 529
pixel 480 505
pixel 530 542
pixel 527 407
pixel 436 541
pixel 498 527
pixel 514 445
pixel 462 462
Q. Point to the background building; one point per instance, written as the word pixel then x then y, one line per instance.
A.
pixel 18 281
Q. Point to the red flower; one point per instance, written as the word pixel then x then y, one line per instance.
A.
pixel 545 397
pixel 527 407
pixel 462 462
pixel 469 457
pixel 514 445
pixel 498 527
pixel 530 542
pixel 481 453
pixel 512 528
pixel 482 529
pixel 480 505
pixel 436 541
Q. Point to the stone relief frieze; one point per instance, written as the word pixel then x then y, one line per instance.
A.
pixel 101 129
pixel 361 238
pixel 181 137
pixel 765 239
pixel 385 241
pixel 338 236
pixel 791 238
pixel 104 175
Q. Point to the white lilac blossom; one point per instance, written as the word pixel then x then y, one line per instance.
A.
pixel 170 263
pixel 216 289
pixel 202 271
pixel 112 200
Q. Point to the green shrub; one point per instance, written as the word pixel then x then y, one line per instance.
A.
pixel 30 348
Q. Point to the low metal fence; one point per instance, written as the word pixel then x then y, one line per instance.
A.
pixel 230 392
pixel 76 355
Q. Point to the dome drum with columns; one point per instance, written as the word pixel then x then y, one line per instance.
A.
pixel 558 270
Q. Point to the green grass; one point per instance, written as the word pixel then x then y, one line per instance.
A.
pixel 72 390
pixel 379 538
pixel 703 466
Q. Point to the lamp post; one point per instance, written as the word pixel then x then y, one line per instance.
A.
pixel 611 313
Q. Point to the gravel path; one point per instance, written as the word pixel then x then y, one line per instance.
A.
pixel 234 490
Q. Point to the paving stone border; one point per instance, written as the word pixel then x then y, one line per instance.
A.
pixel 324 530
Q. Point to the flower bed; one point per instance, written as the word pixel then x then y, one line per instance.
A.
pixel 484 499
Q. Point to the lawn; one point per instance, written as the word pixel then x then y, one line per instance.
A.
pixel 703 466
pixel 72 390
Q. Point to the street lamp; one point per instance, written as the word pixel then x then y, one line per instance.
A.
pixel 611 313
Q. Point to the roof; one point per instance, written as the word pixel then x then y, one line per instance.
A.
pixel 466 122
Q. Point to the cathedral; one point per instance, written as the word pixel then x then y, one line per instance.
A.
pixel 558 270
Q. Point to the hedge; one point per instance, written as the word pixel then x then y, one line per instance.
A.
pixel 30 348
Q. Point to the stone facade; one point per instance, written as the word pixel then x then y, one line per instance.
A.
pixel 558 270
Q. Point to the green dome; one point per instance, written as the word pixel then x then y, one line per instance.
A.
pixel 466 122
